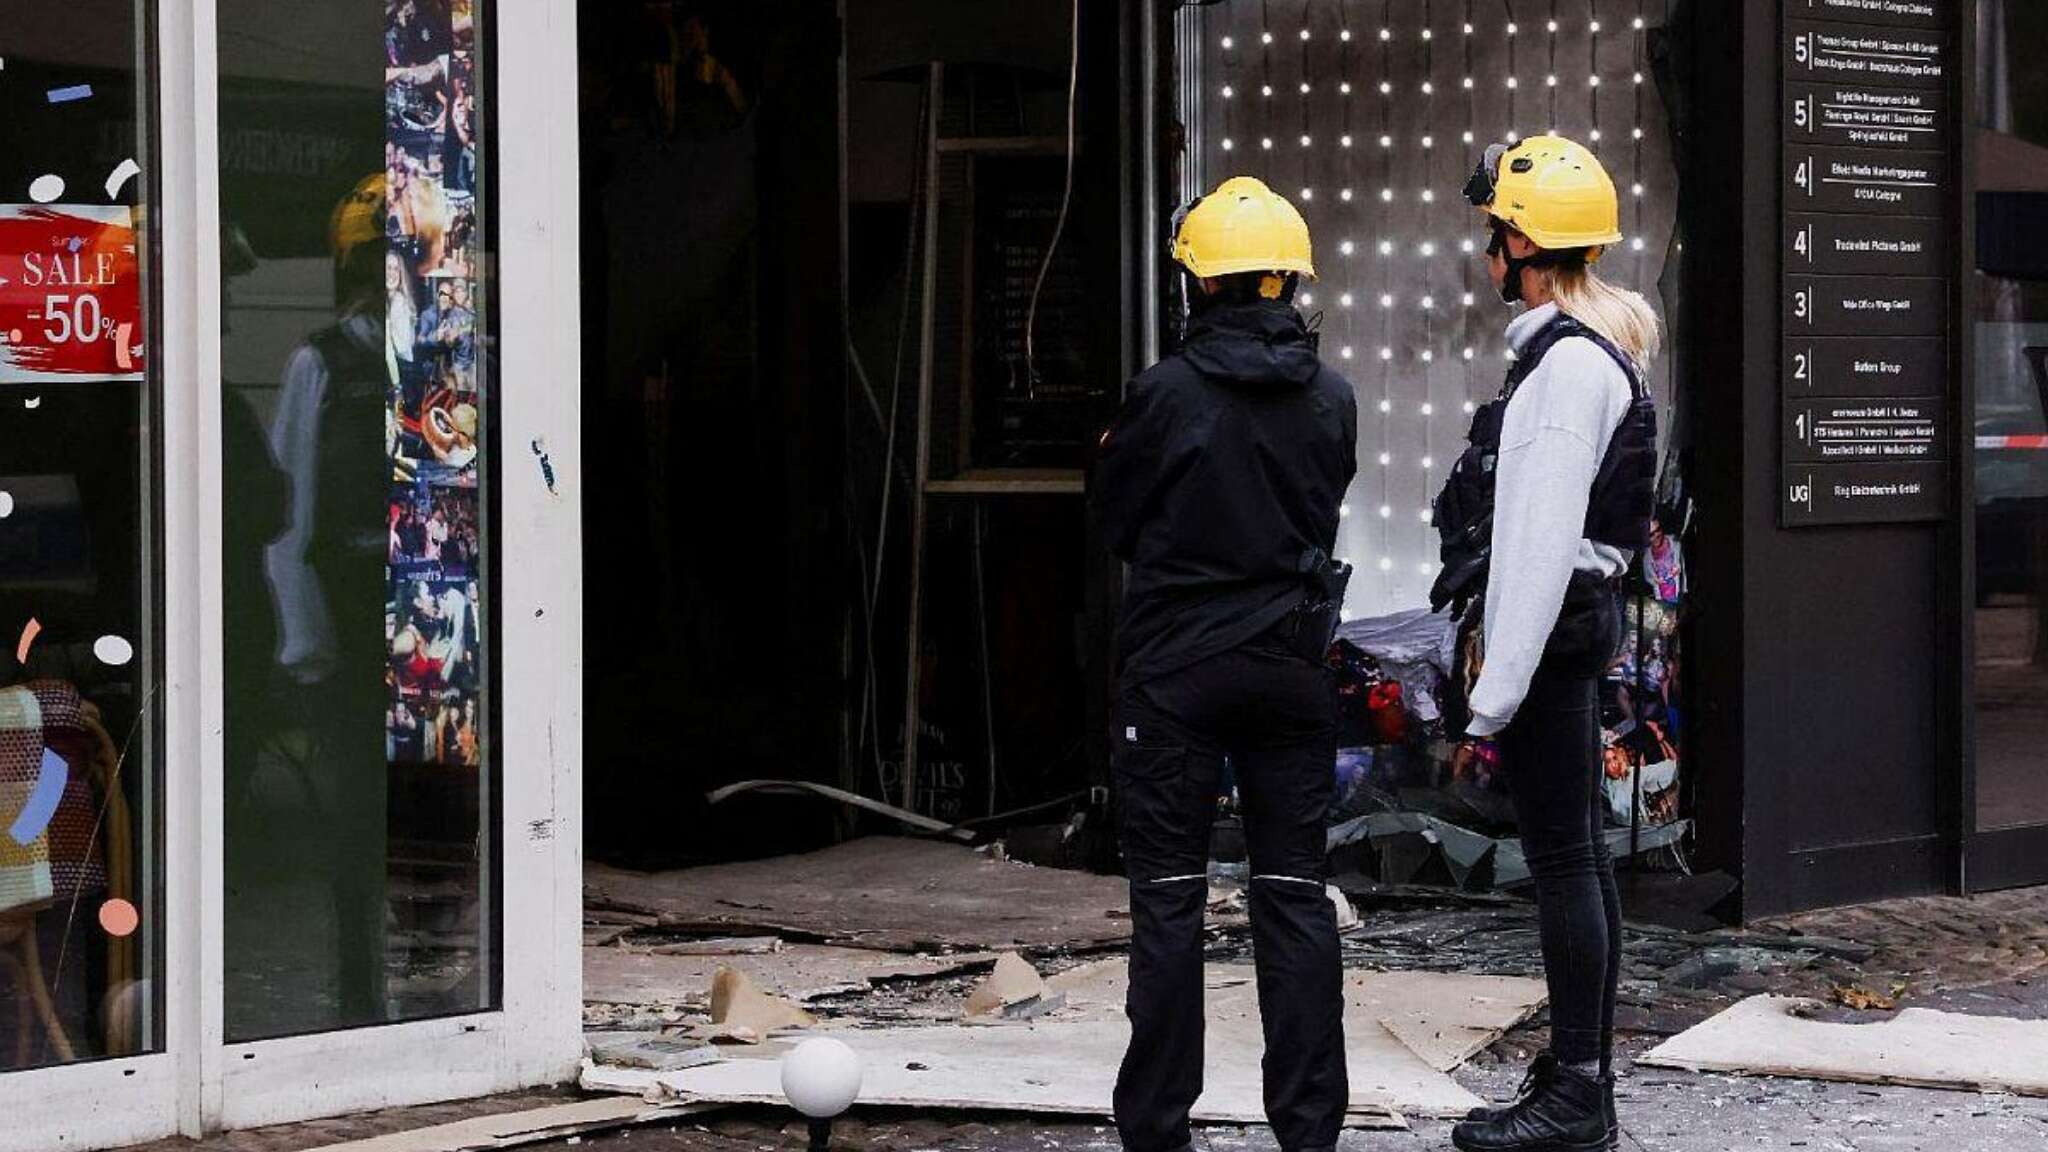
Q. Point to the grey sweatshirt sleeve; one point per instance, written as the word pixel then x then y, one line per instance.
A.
pixel 1555 432
pixel 306 633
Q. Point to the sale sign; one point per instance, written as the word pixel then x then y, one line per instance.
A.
pixel 70 294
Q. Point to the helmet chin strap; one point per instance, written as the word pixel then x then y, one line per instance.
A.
pixel 1511 285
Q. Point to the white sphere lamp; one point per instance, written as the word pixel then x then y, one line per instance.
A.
pixel 821 1079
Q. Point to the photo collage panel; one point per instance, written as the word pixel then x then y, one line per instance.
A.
pixel 435 435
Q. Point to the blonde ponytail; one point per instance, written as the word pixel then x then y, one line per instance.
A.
pixel 1620 315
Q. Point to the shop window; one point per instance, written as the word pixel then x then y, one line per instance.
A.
pixel 2011 332
pixel 80 677
pixel 357 560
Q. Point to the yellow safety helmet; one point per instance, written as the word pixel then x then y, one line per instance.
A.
pixel 1550 189
pixel 1243 226
pixel 359 218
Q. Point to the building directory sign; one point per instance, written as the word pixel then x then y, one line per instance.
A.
pixel 1869 206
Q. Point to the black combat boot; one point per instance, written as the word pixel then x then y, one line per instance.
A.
pixel 1568 1112
pixel 1540 1071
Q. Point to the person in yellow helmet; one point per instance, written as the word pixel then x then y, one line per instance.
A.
pixel 331 434
pixel 1541 517
pixel 1219 485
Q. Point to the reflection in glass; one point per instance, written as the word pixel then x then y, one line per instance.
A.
pixel 358 809
pixel 79 923
pixel 2011 333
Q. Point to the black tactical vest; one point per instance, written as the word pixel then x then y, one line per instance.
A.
pixel 1624 491
pixel 349 543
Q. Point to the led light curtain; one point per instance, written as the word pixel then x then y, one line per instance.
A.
pixel 1370 114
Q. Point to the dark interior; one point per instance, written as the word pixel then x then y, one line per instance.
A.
pixel 747 553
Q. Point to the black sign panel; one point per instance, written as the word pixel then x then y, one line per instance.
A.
pixel 1904 13
pixel 1865 116
pixel 1828 52
pixel 1845 180
pixel 1870 212
pixel 1865 245
pixel 1853 366
pixel 1864 493
pixel 1864 306
pixel 1882 428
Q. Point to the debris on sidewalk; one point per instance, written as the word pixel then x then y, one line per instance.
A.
pixel 1860 999
pixel 513 1129
pixel 911 896
pixel 1029 1043
pixel 599 935
pixel 1777 1036
pixel 659 977
pixel 1013 991
pixel 1710 966
pixel 656 1053
pixel 1449 1018
pixel 743 1012
pixel 1400 846
pixel 1439 982
pixel 1445 1018
pixel 1065 1068
pixel 722 946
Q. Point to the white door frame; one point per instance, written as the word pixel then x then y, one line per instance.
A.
pixel 198 1083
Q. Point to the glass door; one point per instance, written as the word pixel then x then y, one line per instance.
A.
pixel 2010 329
pixel 359 857
pixel 374 931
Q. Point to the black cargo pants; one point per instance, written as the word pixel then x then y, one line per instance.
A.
pixel 1274 715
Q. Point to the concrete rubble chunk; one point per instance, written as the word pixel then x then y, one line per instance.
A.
pixel 738 1006
pixel 1014 984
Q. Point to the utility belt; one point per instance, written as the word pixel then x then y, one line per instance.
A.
pixel 1310 626
pixel 1585 638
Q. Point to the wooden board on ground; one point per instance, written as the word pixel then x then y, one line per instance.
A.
pixel 1773 1036
pixel 1060 1069
pixel 512 1129
pixel 796 972
pixel 1401 1029
pixel 911 896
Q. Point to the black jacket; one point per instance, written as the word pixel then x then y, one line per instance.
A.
pixel 1228 462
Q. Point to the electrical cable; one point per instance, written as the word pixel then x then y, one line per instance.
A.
pixel 1059 222
pixel 1082 796
pixel 871 595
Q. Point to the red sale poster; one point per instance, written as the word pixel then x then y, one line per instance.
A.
pixel 70 294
